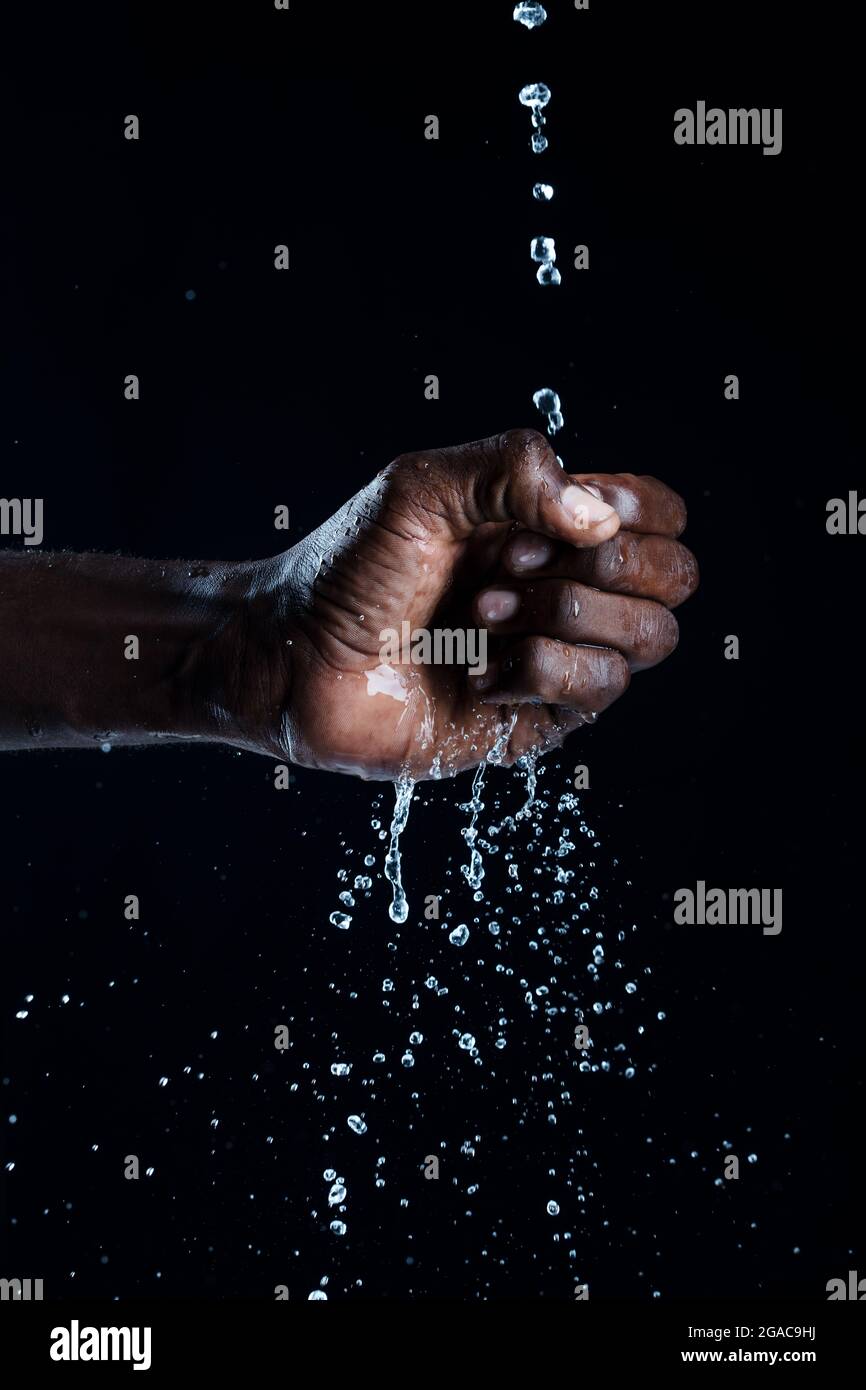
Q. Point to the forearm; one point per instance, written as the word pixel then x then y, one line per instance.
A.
pixel 102 649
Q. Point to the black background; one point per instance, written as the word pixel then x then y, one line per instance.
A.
pixel 411 257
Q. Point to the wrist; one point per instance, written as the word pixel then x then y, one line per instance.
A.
pixel 235 687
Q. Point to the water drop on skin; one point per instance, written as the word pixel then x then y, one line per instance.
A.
pixel 384 680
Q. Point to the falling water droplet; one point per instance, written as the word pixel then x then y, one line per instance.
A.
pixel 535 95
pixel 529 14
pixel 399 909
pixel 543 248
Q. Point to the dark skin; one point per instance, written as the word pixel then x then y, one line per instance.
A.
pixel 574 576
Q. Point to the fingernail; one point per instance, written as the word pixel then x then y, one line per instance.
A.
pixel 497 605
pixel 529 552
pixel 583 507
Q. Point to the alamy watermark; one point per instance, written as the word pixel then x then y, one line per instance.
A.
pixel 76 1343
pixel 22 516
pixel 729 907
pixel 438 646
pixel 21 1290
pixel 736 126
pixel 846 516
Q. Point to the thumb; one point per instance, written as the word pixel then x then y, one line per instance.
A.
pixel 515 476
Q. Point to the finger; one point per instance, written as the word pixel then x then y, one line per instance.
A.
pixel 642 503
pixel 539 670
pixel 643 631
pixel 510 477
pixel 653 567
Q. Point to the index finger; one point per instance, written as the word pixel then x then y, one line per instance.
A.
pixel 642 503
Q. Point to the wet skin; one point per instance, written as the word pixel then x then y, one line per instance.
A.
pixel 573 576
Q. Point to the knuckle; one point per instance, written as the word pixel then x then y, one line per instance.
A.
pixel 617 674
pixel 614 559
pixel 668 633
pixel 655 632
pixel 523 448
pixel 562 606
pixel 686 573
pixel 540 667
pixel 404 463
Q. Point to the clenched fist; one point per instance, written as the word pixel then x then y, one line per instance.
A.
pixel 572 577
pixel 565 583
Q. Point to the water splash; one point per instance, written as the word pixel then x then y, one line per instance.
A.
pixel 473 872
pixel 554 954
pixel 529 764
pixel 399 909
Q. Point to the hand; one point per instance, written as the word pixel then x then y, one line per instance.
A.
pixel 571 575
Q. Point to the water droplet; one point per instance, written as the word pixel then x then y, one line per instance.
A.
pixel 543 248
pixel 530 14
pixel 535 95
pixel 399 908
pixel 546 400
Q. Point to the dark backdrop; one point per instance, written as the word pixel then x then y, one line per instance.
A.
pixel 410 257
